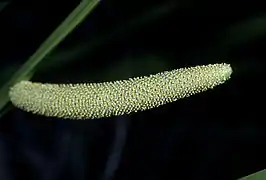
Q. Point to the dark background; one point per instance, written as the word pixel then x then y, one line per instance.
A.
pixel 218 134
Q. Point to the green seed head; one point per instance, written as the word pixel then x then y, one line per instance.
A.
pixel 97 100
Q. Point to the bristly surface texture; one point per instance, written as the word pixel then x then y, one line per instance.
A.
pixel 98 100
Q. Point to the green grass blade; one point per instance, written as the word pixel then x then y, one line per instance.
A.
pixel 27 70
pixel 255 176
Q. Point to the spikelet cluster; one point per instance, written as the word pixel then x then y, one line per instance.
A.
pixel 98 100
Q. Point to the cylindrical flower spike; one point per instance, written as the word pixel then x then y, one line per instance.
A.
pixel 98 100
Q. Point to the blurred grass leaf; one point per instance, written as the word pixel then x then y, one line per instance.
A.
pixel 66 56
pixel 255 176
pixel 27 69
pixel 251 29
pixel 3 5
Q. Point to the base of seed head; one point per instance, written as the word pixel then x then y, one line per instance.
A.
pixel 106 99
